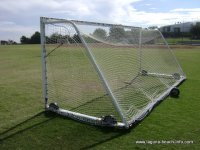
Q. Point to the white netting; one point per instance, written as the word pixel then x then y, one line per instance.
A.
pixel 136 63
pixel 72 81
pixel 122 54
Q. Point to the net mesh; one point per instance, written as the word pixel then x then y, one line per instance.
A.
pixel 136 63
pixel 72 81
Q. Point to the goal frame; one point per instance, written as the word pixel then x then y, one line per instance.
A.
pixel 91 119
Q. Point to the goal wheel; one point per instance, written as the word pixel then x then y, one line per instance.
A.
pixel 54 106
pixel 109 120
pixel 176 76
pixel 174 92
pixel 144 72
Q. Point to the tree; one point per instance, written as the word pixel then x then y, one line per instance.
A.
pixel 116 33
pixel 100 33
pixel 153 27
pixel 54 38
pixel 195 31
pixel 11 42
pixel 76 38
pixel 24 40
pixel 35 38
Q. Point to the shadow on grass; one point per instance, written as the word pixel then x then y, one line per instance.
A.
pixel 49 128
pixel 106 131
pixel 21 127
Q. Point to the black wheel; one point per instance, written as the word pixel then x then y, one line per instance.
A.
pixel 174 92
pixel 109 120
pixel 54 106
pixel 144 72
pixel 176 76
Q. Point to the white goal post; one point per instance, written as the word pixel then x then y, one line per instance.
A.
pixel 105 74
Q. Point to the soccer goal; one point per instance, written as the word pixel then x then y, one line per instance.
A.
pixel 105 74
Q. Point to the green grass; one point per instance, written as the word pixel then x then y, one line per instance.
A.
pixel 24 125
pixel 179 40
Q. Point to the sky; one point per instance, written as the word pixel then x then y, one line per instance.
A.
pixel 21 17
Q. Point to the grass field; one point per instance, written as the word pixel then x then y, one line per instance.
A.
pixel 181 40
pixel 25 125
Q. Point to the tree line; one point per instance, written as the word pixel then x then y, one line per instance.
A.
pixel 34 39
pixel 54 38
pixel 115 34
pixel 195 31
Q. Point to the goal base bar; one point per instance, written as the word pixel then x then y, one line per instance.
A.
pixel 160 75
pixel 84 118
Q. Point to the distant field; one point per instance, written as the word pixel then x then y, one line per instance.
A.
pixel 180 40
pixel 25 125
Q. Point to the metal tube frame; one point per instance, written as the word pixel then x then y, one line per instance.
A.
pixel 55 20
pixel 43 59
pixel 140 51
pixel 87 118
pixel 91 57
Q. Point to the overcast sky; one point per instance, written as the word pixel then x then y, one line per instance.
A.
pixel 21 17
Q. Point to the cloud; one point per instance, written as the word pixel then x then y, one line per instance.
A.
pixel 12 27
pixel 10 30
pixel 186 10
pixel 2 23
pixel 22 17
pixel 153 8
pixel 147 4
pixel 23 5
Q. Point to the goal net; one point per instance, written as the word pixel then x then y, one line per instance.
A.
pixel 105 74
